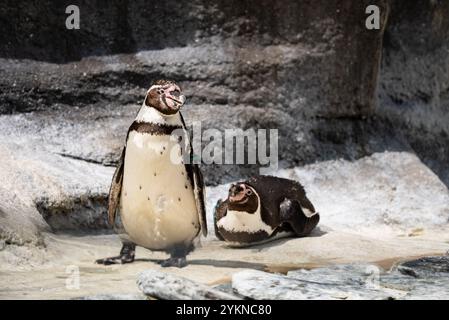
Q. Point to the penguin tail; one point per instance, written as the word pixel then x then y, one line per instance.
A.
pixel 310 223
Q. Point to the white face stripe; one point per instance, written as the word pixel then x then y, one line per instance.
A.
pixel 158 86
pixel 240 221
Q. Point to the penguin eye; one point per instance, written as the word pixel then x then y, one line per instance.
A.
pixel 249 192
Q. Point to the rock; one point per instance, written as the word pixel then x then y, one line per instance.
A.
pixel 430 277
pixel 344 282
pixel 119 296
pixel 41 191
pixel 351 281
pixel 426 267
pixel 297 67
pixel 167 286
pixel 254 70
pixel 390 190
pixel 414 82
pixel 249 54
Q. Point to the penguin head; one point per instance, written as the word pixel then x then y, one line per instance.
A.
pixel 165 96
pixel 242 197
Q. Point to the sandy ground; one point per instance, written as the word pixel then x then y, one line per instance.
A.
pixel 50 273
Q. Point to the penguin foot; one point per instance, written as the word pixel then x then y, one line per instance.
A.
pixel 127 254
pixel 179 262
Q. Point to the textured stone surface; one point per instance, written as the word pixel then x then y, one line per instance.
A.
pixel 293 66
pixel 165 286
pixel 348 282
pixel 40 190
pixel 414 78
pixel 308 69
pixel 345 282
pixel 426 267
pixel 117 296
pixel 287 46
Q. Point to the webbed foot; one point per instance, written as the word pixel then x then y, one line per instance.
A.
pixel 178 262
pixel 127 255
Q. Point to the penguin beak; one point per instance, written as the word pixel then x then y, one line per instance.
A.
pixel 177 99
pixel 182 99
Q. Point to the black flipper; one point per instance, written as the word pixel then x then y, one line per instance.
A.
pixel 291 212
pixel 116 188
pixel 197 183
pixel 127 254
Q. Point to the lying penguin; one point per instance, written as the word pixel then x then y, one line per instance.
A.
pixel 159 197
pixel 264 208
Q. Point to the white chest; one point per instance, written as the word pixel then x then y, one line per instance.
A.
pixel 238 221
pixel 158 207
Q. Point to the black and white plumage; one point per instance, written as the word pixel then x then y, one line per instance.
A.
pixel 264 208
pixel 160 197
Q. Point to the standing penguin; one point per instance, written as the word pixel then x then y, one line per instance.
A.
pixel 264 208
pixel 159 196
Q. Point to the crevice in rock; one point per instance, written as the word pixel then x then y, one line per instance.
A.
pixel 70 156
pixel 84 214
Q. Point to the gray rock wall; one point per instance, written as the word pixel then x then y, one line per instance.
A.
pixel 297 66
pixel 414 78
pixel 300 57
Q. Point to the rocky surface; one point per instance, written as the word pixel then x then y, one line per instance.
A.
pixel 39 194
pixel 165 286
pixel 414 78
pixel 240 51
pixel 357 226
pixel 117 296
pixel 308 70
pixel 425 278
pixel 350 282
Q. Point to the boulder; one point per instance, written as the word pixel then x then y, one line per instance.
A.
pixel 349 282
pixel 167 286
pixel 42 192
